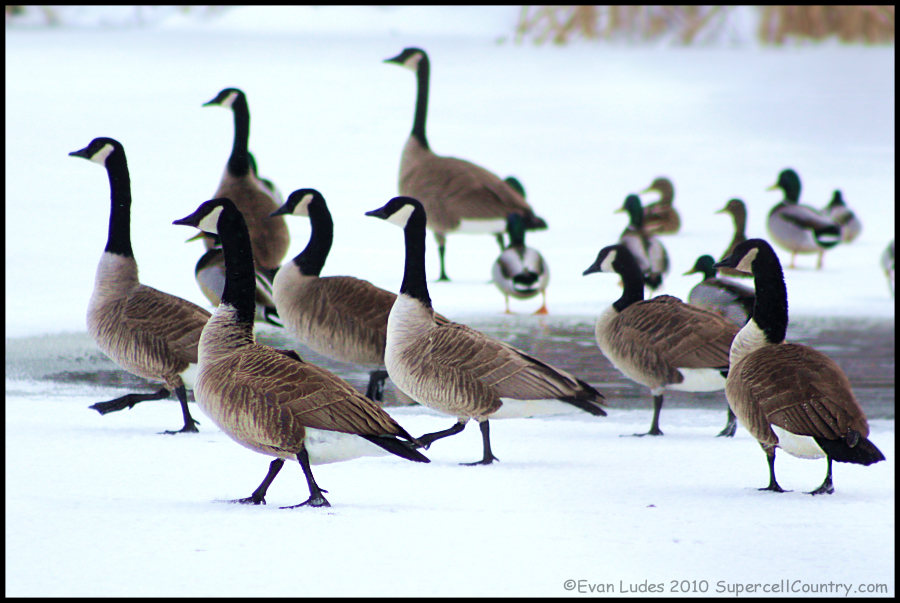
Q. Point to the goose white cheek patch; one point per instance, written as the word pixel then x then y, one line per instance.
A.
pixel 229 100
pixel 101 155
pixel 412 63
pixel 210 222
pixel 401 216
pixel 302 208
pixel 607 264
pixel 745 264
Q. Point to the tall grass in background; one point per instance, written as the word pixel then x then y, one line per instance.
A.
pixel 688 24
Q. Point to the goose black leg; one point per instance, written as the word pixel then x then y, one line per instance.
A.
pixel 190 425
pixel 730 426
pixel 827 487
pixel 375 391
pixel 259 495
pixel 654 425
pixel 315 492
pixel 428 438
pixel 773 485
pixel 443 277
pixel 128 401
pixel 486 440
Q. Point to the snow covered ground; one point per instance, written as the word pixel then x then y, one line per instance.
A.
pixel 105 506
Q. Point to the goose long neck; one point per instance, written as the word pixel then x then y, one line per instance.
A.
pixel 770 312
pixel 414 283
pixel 240 279
pixel 311 260
pixel 239 162
pixel 119 238
pixel 632 282
pixel 422 75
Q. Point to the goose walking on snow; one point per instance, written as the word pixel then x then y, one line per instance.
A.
pixel 269 400
pixel 458 196
pixel 800 228
pixel 457 370
pixel 662 343
pixel 148 333
pixel 252 196
pixel 341 317
pixel 521 271
pixel 787 395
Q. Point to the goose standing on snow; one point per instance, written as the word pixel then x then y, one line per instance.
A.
pixel 838 211
pixel 269 236
pixel 341 317
pixel 148 333
pixel 521 271
pixel 269 400
pixel 457 370
pixel 647 250
pixel 662 343
pixel 660 217
pixel 458 196
pixel 738 212
pixel 788 395
pixel 726 298
pixel 800 228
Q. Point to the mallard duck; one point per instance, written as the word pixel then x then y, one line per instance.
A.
pixel 887 264
pixel 458 196
pixel 800 228
pixel 838 211
pixel 738 212
pixel 788 395
pixel 726 298
pixel 521 271
pixel 647 250
pixel 660 217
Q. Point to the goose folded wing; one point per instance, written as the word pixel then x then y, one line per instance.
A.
pixel 176 323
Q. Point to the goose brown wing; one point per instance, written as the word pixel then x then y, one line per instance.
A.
pixel 173 322
pixel 682 335
pixel 802 391
pixel 303 395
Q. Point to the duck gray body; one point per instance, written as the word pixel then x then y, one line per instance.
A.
pixel 728 299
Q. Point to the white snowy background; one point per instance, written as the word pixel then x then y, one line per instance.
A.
pixel 106 507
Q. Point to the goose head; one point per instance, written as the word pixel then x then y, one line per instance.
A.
pixel 227 98
pixel 613 258
pixel 789 182
pixel 634 209
pixel 206 217
pixel 298 203
pixel 744 256
pixel 399 211
pixel 99 150
pixel 410 58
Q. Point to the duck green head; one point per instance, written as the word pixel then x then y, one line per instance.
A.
pixel 789 182
pixel 634 209
pixel 704 265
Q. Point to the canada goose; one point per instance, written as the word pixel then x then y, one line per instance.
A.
pixel 800 228
pixel 457 370
pixel 148 333
pixel 887 264
pixel 253 198
pixel 341 317
pixel 738 212
pixel 789 395
pixel 726 298
pixel 844 217
pixel 521 271
pixel 269 400
pixel 662 343
pixel 210 275
pixel 660 217
pixel 458 196
pixel 649 252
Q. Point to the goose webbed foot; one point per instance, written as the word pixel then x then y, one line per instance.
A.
pixel 827 486
pixel 654 431
pixel 488 457
pixel 128 401
pixel 774 487
pixel 773 483
pixel 315 492
pixel 429 438
pixel 190 427
pixel 730 426
pixel 312 501
pixel 654 424
pixel 259 495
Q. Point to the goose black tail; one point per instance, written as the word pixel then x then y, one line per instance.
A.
pixel 397 447
pixel 863 453
pixel 587 400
